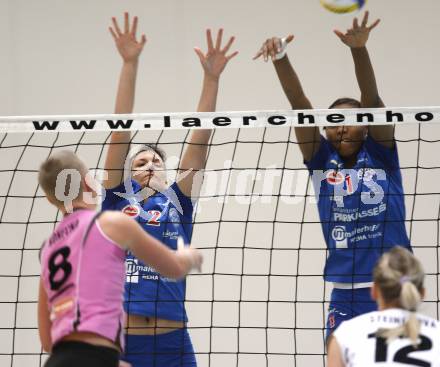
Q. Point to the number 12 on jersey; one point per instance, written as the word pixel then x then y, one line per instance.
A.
pixel 402 355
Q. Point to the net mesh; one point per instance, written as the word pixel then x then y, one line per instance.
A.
pixel 261 299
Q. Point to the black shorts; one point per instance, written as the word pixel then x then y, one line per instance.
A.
pixel 74 354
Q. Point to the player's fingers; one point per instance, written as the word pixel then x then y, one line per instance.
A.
pixel 339 34
pixel 271 48
pixel 290 38
pixel 134 26
pixel 265 52
pixel 126 22
pixel 374 24
pixel 257 55
pixel 365 20
pixel 228 45
pixel 116 26
pixel 209 40
pixel 218 42
pixel 199 53
pixel 143 39
pixel 356 23
pixel 229 57
pixel 115 37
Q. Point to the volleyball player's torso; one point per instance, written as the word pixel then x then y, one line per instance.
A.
pixel 363 205
pixel 159 218
pixel 71 271
pixel 361 347
pixel 145 287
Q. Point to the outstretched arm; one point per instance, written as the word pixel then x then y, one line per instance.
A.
pixel 356 38
pixel 307 137
pixel 126 232
pixel 129 48
pixel 194 157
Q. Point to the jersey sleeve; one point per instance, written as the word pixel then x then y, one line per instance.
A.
pixel 184 201
pixel 111 197
pixel 319 160
pixel 387 156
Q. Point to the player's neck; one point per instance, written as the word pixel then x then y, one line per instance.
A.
pixel 77 206
pixel 382 305
pixel 349 162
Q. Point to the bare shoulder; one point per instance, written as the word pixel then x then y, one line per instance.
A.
pixel 112 217
pixel 114 224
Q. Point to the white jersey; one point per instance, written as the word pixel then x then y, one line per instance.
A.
pixel 361 348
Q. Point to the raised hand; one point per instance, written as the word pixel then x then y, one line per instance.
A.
pixel 126 43
pixel 357 36
pixel 274 47
pixel 216 58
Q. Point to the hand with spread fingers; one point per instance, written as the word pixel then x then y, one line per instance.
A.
pixel 357 36
pixel 274 47
pixel 126 42
pixel 216 58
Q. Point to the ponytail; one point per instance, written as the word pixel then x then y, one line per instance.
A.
pixel 399 276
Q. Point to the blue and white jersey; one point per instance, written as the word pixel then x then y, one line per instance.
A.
pixel 361 209
pixel 361 347
pixel 147 292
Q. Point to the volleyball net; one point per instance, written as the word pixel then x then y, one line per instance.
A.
pixel 260 299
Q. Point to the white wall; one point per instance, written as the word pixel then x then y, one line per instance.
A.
pixel 59 58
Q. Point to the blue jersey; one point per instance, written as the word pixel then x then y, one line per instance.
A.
pixel 166 217
pixel 362 210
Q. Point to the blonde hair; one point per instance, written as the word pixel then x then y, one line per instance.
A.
pixel 51 169
pixel 399 277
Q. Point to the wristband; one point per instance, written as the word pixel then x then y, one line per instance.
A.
pixel 282 53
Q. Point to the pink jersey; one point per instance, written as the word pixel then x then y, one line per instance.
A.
pixel 83 273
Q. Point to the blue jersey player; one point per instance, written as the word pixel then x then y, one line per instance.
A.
pixel 156 322
pixel 356 175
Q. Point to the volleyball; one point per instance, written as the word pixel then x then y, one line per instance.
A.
pixel 343 6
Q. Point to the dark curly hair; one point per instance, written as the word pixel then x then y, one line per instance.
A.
pixel 346 100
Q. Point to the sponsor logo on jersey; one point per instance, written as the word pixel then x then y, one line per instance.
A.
pixel 131 271
pixel 131 210
pixel 171 234
pixel 61 307
pixel 335 177
pixel 350 217
pixel 154 218
pixel 339 235
pixel 173 216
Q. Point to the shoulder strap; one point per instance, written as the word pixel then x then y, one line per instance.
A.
pixel 89 228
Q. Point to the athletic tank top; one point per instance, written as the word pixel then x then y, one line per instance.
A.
pixel 83 274
pixel 361 347
pixel 362 209
pixel 165 216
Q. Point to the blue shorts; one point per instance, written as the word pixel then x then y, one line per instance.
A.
pixel 346 304
pixel 172 349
